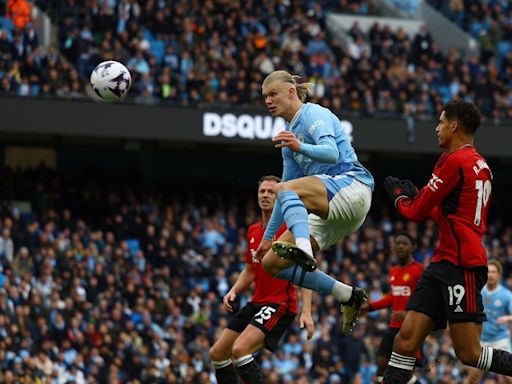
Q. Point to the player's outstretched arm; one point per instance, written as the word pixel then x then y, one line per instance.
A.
pixel 440 185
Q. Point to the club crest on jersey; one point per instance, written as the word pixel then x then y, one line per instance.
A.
pixel 433 182
pixel 406 277
pixel 497 303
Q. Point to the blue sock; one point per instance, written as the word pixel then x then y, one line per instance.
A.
pixel 317 280
pixel 294 213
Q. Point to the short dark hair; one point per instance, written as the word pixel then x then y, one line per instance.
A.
pixel 269 178
pixel 465 113
pixel 406 234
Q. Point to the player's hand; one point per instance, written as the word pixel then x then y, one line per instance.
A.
pixel 397 189
pixel 397 316
pixel 409 188
pixel 306 320
pixel 286 139
pixel 262 249
pixel 503 320
pixel 229 300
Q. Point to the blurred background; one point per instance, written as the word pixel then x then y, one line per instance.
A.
pixel 123 225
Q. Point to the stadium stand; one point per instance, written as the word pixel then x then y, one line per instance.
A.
pixel 193 55
pixel 106 283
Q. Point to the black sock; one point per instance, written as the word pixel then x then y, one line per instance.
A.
pixel 396 375
pixel 249 370
pixel 399 369
pixel 225 373
pixel 495 360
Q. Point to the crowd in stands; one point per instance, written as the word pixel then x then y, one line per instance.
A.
pixel 489 23
pixel 107 283
pixel 183 52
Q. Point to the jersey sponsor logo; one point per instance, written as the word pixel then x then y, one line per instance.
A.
pixel 401 290
pixel 253 256
pixel 433 182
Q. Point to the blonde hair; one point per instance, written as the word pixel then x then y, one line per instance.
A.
pixel 303 89
pixel 497 264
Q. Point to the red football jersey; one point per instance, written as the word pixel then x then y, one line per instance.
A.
pixel 457 197
pixel 268 289
pixel 402 281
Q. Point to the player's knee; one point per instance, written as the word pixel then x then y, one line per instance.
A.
pixel 404 343
pixel 217 354
pixel 467 354
pixel 239 350
pixel 280 187
pixel 284 186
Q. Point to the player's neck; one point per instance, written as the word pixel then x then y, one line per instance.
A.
pixel 460 142
pixel 406 262
pixel 293 111
pixel 265 217
pixel 492 287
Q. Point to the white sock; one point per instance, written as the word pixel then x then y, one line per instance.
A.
pixel 304 244
pixel 222 364
pixel 402 362
pixel 243 360
pixel 341 292
pixel 412 380
pixel 485 360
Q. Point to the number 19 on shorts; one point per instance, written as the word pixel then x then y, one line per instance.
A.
pixel 455 295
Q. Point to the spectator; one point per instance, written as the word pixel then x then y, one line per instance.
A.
pixel 80 300
pixel 19 12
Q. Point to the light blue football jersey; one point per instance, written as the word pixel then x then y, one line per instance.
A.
pixel 311 124
pixel 497 303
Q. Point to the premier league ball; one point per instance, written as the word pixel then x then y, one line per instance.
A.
pixel 111 80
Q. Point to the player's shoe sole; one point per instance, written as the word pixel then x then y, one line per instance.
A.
pixel 352 309
pixel 290 251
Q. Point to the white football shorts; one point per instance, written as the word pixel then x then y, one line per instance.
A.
pixel 347 211
pixel 498 344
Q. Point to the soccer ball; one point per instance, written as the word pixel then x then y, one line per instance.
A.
pixel 111 80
